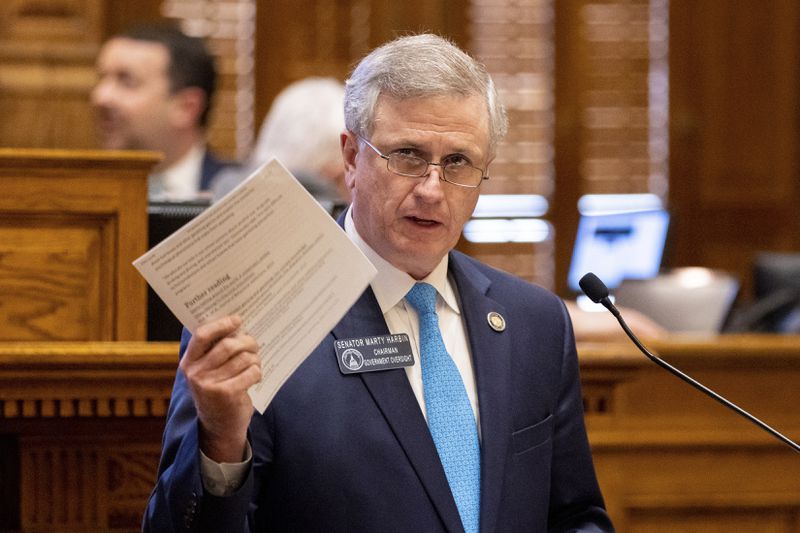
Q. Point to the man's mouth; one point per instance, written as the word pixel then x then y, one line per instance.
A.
pixel 423 221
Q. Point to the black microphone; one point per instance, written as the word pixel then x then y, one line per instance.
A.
pixel 597 291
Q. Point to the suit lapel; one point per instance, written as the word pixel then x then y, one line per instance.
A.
pixel 491 360
pixel 392 393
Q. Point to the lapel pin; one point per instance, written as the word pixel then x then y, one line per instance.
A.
pixel 496 321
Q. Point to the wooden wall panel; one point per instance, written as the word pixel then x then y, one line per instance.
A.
pixel 47 52
pixel 734 97
pixel 670 459
pixel 330 37
pixel 734 89
pixel 47 57
pixel 51 117
pixel 712 517
pixel 51 274
pixel 86 483
pixel 83 424
pixel 67 22
pixel 70 225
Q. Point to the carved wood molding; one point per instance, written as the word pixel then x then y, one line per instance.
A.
pixel 86 380
pixel 79 484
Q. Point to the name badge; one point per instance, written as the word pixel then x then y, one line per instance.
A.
pixel 370 354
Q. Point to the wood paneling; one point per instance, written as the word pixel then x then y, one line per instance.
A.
pixel 70 225
pixel 67 22
pixel 734 131
pixel 734 90
pixel 670 459
pixel 330 37
pixel 84 421
pixel 47 52
pixel 610 92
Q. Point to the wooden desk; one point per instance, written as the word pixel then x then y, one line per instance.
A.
pixel 670 459
pixel 80 430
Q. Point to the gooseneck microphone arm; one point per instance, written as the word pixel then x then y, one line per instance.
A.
pixel 597 291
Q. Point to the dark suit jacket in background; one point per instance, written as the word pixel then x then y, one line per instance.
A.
pixel 210 168
pixel 353 453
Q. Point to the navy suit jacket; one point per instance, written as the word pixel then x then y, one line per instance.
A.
pixel 352 453
pixel 210 168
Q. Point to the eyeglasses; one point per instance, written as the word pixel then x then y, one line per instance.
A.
pixel 455 168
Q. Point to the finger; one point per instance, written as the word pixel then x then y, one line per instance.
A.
pixel 227 388
pixel 225 349
pixel 249 376
pixel 208 335
pixel 231 368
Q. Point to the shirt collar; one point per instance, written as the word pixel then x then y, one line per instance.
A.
pixel 181 181
pixel 391 284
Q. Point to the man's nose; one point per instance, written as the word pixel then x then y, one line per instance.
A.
pixel 101 93
pixel 433 181
pixel 436 168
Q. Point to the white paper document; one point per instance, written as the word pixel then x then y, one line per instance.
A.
pixel 271 254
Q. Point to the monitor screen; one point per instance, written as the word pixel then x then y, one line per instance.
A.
pixel 164 219
pixel 619 245
pixel 775 271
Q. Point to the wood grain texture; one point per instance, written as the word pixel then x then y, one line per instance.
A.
pixel 670 459
pixel 86 422
pixel 71 223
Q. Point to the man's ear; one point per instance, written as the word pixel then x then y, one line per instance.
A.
pixel 349 148
pixel 349 153
pixel 189 104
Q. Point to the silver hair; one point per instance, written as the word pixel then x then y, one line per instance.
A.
pixel 303 125
pixel 418 66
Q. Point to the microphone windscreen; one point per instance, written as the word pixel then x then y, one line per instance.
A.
pixel 593 287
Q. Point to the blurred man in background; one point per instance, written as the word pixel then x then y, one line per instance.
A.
pixel 154 91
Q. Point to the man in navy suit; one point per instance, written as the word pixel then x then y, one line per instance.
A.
pixel 154 92
pixel 338 451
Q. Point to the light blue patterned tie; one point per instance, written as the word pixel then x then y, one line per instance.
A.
pixel 450 417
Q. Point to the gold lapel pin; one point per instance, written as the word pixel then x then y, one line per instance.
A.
pixel 496 321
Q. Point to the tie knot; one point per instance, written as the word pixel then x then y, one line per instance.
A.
pixel 422 297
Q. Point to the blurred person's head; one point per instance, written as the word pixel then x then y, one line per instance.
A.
pixel 302 129
pixel 154 90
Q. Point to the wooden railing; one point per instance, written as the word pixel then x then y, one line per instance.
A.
pixel 82 426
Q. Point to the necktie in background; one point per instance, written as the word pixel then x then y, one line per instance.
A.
pixel 450 417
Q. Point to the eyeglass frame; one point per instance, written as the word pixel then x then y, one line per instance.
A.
pixel 442 174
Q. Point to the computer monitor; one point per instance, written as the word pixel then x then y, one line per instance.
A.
pixel 619 245
pixel 164 219
pixel 775 271
pixel 776 291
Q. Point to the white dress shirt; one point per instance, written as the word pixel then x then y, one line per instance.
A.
pixel 181 181
pixel 390 286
